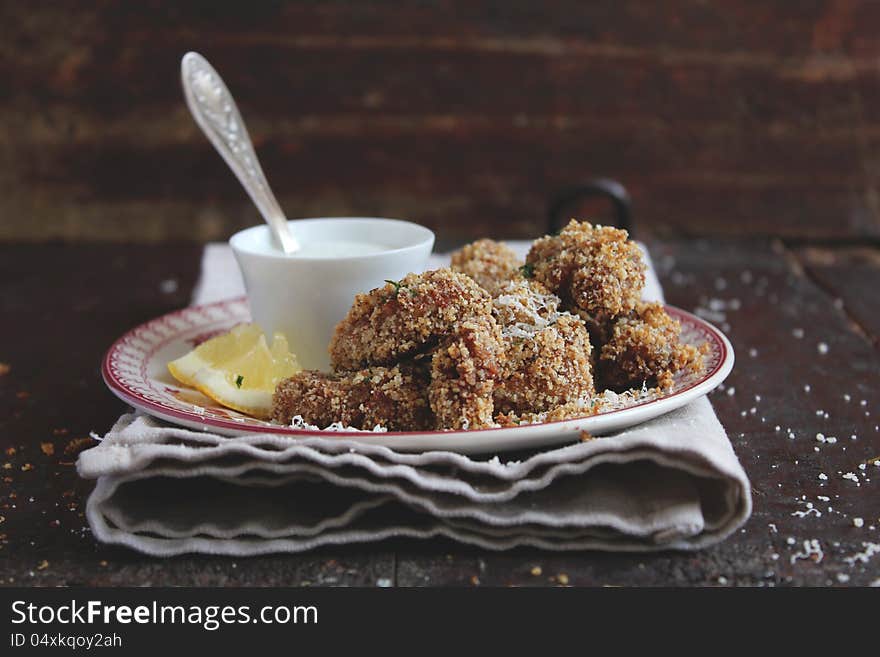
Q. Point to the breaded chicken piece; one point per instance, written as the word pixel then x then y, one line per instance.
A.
pixel 548 353
pixel 403 318
pixel 395 398
pixel 464 371
pixel 595 270
pixel 550 368
pixel 491 264
pixel 645 347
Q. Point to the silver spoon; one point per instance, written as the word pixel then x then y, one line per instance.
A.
pixel 215 111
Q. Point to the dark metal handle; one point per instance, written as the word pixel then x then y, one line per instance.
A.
pixel 604 187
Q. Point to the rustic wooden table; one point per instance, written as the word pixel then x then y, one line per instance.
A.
pixel 805 323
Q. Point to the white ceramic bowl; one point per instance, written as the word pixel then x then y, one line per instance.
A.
pixel 304 297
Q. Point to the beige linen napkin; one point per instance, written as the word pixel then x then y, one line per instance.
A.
pixel 671 483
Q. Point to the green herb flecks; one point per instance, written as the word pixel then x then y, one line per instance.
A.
pixel 238 381
pixel 397 285
pixel 527 270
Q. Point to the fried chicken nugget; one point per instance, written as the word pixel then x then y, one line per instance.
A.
pixel 464 371
pixel 645 347
pixel 548 353
pixel 491 264
pixel 395 398
pixel 548 370
pixel 595 270
pixel 400 319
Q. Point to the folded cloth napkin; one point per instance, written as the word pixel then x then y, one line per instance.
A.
pixel 671 483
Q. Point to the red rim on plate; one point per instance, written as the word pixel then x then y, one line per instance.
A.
pixel 125 371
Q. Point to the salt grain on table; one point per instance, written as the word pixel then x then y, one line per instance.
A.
pixel 812 550
pixel 863 557
pixel 810 509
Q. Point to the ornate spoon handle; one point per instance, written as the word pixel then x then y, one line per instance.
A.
pixel 214 109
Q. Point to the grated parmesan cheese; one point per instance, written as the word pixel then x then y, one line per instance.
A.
pixel 297 422
pixel 524 312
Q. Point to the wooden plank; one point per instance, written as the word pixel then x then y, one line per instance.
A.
pixel 852 277
pixel 454 215
pixel 723 26
pixel 467 182
pixel 765 299
pixel 62 307
pixel 138 70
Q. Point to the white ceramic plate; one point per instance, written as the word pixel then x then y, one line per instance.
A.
pixel 135 369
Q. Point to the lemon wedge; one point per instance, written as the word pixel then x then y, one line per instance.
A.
pixel 238 369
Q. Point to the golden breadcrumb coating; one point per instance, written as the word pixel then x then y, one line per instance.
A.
pixel 392 322
pixel 463 375
pixel 593 269
pixel 644 347
pixel 491 264
pixel 395 398
pixel 547 369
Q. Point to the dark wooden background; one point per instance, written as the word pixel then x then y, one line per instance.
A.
pixel 721 117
